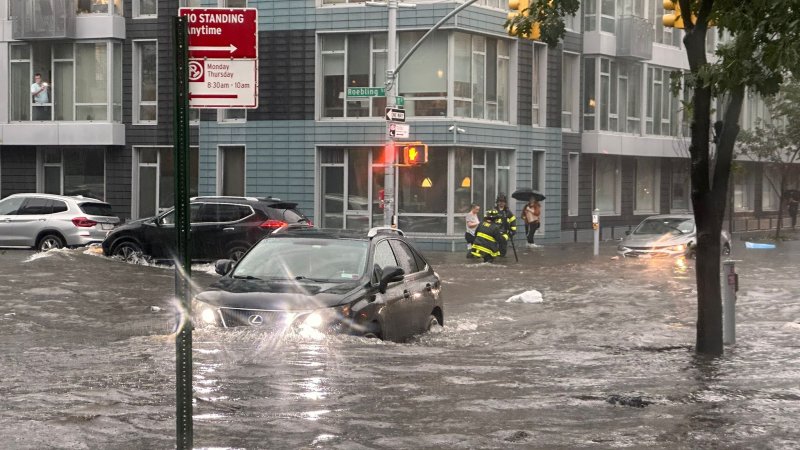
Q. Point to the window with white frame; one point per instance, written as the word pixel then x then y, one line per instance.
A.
pixel 662 106
pixel 570 87
pixel 154 179
pixel 112 7
pixel 233 3
pixel 743 189
pixel 573 23
pixel 573 175
pixel 607 185
pixel 481 76
pixel 680 186
pixel 145 82
pixel 356 60
pixel 770 187
pixel 608 16
pixel 231 170
pixel 616 107
pixel 145 8
pixel 73 172
pixel 84 81
pixel 539 85
pixel 423 79
pixel 630 8
pixel 589 8
pixel 646 200
pixel 663 35
pixel 232 115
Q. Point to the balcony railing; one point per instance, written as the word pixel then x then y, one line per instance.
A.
pixel 43 19
pixel 634 38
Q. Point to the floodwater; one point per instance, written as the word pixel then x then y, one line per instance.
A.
pixel 604 361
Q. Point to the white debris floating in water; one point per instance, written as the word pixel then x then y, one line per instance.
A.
pixel 532 296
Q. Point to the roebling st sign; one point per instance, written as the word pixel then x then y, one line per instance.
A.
pixel 223 57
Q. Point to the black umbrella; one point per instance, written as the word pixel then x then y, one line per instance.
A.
pixel 525 194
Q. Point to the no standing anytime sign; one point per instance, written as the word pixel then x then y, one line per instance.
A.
pixel 223 57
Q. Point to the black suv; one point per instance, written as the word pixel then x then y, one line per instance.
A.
pixel 221 227
pixel 312 280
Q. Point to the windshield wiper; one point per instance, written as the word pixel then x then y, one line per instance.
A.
pixel 246 277
pixel 301 277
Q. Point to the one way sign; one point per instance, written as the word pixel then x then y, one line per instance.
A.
pixel 395 115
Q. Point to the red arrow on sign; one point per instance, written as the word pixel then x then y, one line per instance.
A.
pixel 191 96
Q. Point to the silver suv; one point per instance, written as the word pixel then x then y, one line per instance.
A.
pixel 45 221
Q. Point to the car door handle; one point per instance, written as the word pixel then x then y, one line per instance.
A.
pixel 428 287
pixel 406 294
pixel 228 229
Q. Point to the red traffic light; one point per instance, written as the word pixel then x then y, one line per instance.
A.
pixel 415 153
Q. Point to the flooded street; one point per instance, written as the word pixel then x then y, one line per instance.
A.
pixel 605 361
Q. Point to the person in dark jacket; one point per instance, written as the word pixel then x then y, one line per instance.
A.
pixel 488 237
pixel 507 221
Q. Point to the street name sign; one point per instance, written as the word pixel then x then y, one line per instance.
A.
pixel 399 130
pixel 223 57
pixel 395 114
pixel 366 92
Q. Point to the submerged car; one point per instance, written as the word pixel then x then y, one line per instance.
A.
pixel 46 221
pixel 221 227
pixel 373 284
pixel 666 235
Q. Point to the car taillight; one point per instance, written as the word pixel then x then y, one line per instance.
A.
pixel 83 222
pixel 272 223
pixel 310 223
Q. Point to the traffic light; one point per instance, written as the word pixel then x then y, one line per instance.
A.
pixel 414 153
pixel 520 8
pixel 673 20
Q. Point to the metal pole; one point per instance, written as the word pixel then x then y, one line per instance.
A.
pixel 731 280
pixel 183 269
pixel 596 228
pixel 391 88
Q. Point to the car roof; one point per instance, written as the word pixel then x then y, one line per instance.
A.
pixel 331 233
pixel 76 198
pixel 267 201
pixel 671 216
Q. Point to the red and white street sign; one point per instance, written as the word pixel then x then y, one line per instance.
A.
pixel 223 54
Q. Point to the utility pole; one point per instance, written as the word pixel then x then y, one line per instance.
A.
pixel 391 88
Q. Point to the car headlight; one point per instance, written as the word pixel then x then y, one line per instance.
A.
pixel 204 313
pixel 324 318
pixel 677 248
pixel 314 320
pixel 208 316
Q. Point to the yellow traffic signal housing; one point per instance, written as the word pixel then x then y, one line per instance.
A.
pixel 673 20
pixel 520 7
pixel 414 153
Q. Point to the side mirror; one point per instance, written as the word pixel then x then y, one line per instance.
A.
pixel 157 221
pixel 223 266
pixel 390 274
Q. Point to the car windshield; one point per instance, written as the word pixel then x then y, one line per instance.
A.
pixel 668 225
pixel 329 260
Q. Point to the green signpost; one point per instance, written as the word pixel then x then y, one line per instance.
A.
pixel 183 268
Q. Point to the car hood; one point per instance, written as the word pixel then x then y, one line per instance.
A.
pixel 652 240
pixel 133 223
pixel 276 295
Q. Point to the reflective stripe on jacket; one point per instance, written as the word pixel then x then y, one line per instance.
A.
pixel 507 220
pixel 487 240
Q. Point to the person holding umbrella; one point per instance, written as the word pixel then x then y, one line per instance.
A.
pixel 532 212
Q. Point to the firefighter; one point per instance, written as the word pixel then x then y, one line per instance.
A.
pixel 507 221
pixel 488 237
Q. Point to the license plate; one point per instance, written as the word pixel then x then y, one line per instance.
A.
pixel 106 226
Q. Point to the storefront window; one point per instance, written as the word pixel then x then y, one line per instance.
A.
pixel 646 186
pixel 680 186
pixel 607 185
pixel 74 172
pixel 743 189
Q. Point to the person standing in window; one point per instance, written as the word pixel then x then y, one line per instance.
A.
pixel 40 98
pixel 532 214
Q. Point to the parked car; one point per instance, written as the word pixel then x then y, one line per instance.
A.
pixel 373 284
pixel 221 227
pixel 666 235
pixel 45 221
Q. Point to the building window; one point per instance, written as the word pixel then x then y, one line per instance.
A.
pixel 570 87
pixel 233 3
pixel 73 172
pixel 770 187
pixel 743 189
pixel 364 57
pixel 662 106
pixel 608 16
pixel 231 171
pixel 145 75
pixel 647 186
pixel 423 80
pixel 145 8
pixel 154 184
pixel 352 195
pixel 663 35
pixel 99 7
pixel 480 80
pixel 680 187
pixel 573 23
pixel 573 180
pixel 539 85
pixel 607 185
pixel 83 81
pixel 619 97
pixel 589 15
pixel 232 115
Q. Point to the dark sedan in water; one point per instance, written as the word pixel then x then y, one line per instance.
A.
pixel 372 284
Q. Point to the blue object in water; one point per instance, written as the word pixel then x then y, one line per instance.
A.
pixel 758 245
